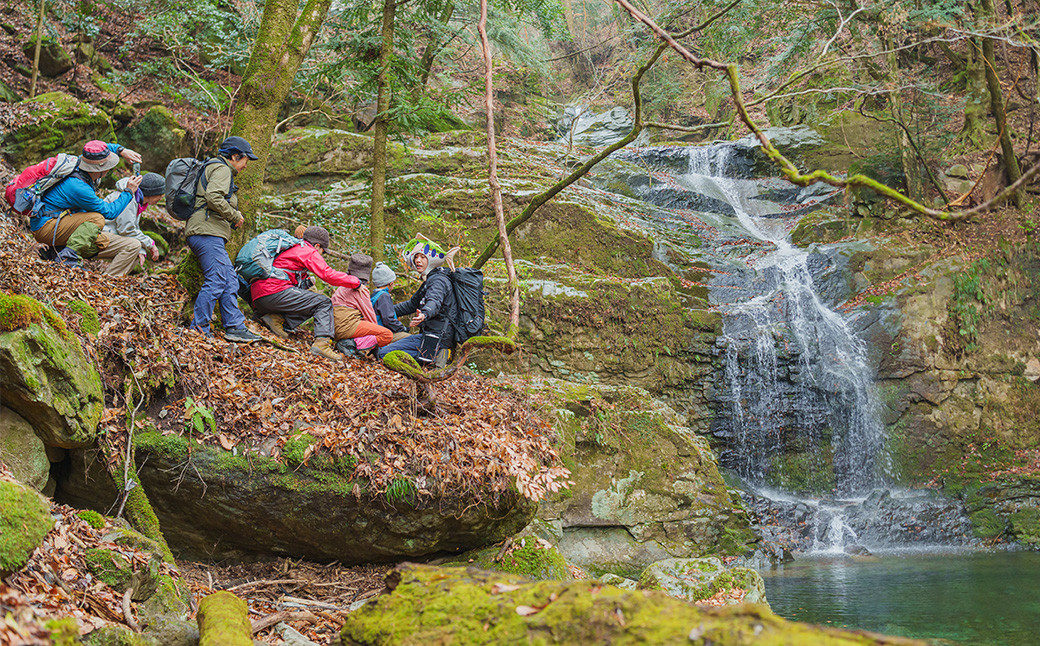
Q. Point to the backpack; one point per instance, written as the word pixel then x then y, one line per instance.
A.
pixel 255 260
pixel 25 191
pixel 183 177
pixel 468 317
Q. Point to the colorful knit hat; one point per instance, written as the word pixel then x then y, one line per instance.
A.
pixel 436 255
pixel 97 158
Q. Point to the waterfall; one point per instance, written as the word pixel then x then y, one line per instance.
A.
pixel 797 416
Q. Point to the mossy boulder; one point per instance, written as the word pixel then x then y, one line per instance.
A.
pixel 25 518
pixel 704 578
pixel 527 555
pixel 429 605
pixel 45 376
pixel 22 451
pixel 229 505
pixel 57 123
pixel 158 137
pixel 646 487
pixel 8 95
pixel 54 60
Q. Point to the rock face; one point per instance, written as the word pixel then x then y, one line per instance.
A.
pixel 58 123
pixel 699 579
pixel 645 487
pixel 227 506
pixel 22 451
pixel 45 376
pixel 24 520
pixel 158 137
pixel 583 127
pixel 462 606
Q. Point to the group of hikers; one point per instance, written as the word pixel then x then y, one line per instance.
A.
pixel 272 272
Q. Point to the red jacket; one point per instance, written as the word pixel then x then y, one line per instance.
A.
pixel 302 257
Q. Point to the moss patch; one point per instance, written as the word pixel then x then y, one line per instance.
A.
pixel 89 321
pixel 18 312
pixel 92 518
pixel 529 557
pixel 25 520
pixel 58 122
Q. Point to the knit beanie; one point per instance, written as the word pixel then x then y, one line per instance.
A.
pixel 317 236
pixel 360 266
pixel 153 184
pixel 382 275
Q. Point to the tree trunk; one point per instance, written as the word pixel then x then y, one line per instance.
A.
pixel 973 132
pixel 282 42
pixel 430 53
pixel 376 223
pixel 996 102
pixel 496 189
pixel 907 160
pixel 36 52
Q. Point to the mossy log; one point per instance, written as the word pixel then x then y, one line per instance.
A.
pixel 405 364
pixel 224 621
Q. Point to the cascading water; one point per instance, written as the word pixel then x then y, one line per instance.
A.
pixel 796 404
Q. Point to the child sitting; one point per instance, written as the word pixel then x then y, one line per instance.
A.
pixel 352 309
pixel 382 280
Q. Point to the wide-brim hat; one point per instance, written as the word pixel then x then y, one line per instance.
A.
pixel 97 158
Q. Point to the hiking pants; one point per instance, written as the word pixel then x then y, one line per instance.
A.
pixel 350 325
pixel 219 285
pixel 297 305
pixel 82 233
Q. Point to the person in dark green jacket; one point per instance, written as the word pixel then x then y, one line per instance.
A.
pixel 208 231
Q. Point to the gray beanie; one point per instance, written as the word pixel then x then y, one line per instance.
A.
pixel 153 184
pixel 382 275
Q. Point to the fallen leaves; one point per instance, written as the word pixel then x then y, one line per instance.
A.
pixel 484 440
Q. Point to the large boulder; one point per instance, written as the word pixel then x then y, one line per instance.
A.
pixel 22 451
pixel 56 123
pixel 158 137
pixel 703 579
pixel 227 505
pixel 24 520
pixel 429 605
pixel 581 126
pixel 645 487
pixel 54 60
pixel 45 376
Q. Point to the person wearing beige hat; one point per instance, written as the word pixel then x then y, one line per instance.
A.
pixel 72 214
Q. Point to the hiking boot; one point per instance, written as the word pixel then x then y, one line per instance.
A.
pixel 323 348
pixel 347 347
pixel 276 324
pixel 241 335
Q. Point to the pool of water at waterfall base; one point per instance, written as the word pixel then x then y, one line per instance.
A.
pixel 943 597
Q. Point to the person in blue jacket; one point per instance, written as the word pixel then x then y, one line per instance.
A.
pixel 73 215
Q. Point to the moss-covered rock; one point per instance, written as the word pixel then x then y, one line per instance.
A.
pixel 58 123
pixel 22 451
pixel 45 376
pixel 158 137
pixel 699 579
pixel 25 518
pixel 527 555
pixel 428 605
pixel 645 487
pixel 89 321
pixel 54 60
pixel 227 505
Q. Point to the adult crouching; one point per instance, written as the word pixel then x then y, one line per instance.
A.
pixel 282 305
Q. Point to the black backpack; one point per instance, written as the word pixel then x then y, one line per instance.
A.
pixel 183 177
pixel 469 315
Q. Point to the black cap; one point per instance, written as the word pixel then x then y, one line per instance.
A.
pixel 237 145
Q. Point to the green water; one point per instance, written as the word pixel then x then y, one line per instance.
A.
pixel 978 599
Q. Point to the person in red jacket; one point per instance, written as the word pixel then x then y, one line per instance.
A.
pixel 283 305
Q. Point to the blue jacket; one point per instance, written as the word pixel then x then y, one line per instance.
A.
pixel 77 196
pixel 384 307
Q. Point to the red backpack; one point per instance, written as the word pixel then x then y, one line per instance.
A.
pixel 36 180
